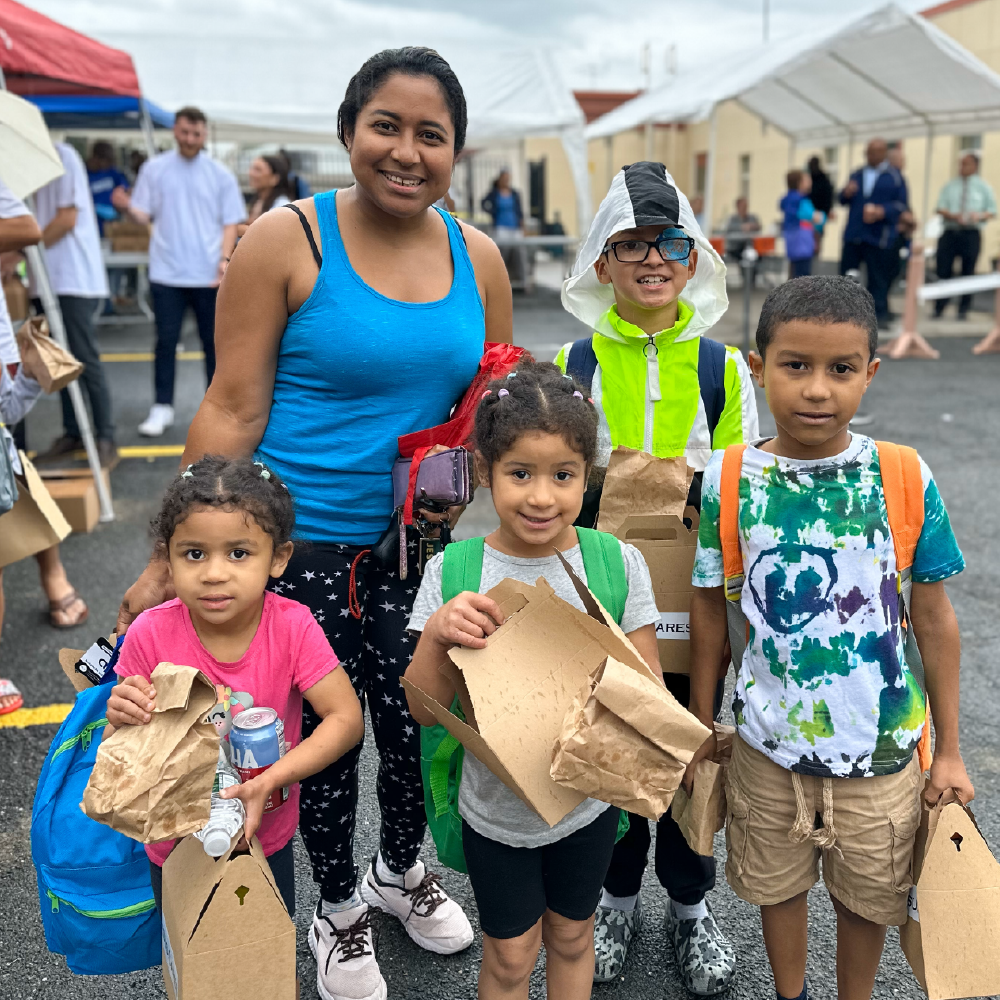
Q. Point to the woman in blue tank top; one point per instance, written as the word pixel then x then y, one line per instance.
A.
pixel 355 317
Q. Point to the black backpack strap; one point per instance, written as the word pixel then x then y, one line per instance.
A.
pixel 581 362
pixel 712 380
pixel 317 256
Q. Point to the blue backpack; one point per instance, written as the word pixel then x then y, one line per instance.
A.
pixel 93 882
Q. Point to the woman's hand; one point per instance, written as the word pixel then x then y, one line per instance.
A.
pixel 153 587
pixel 131 702
pixel 466 620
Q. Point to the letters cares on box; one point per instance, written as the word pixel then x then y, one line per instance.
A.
pixel 154 782
pixel 952 934
pixel 517 691
pixel 226 930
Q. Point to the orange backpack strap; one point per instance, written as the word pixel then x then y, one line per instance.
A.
pixel 729 519
pixel 902 485
pixel 903 488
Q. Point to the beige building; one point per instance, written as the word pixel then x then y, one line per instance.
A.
pixel 753 158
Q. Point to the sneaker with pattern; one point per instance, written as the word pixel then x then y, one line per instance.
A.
pixel 705 958
pixel 342 944
pixel 614 931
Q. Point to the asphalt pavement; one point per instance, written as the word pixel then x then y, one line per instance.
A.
pixel 947 409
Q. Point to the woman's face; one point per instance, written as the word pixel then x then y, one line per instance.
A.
pixel 503 181
pixel 261 175
pixel 403 145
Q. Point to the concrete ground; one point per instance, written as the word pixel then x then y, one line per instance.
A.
pixel 947 409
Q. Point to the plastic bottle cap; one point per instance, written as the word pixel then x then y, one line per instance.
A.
pixel 216 842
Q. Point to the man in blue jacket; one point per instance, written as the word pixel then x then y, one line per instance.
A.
pixel 875 195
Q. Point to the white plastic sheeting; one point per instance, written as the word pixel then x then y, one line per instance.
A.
pixel 889 72
pixel 276 70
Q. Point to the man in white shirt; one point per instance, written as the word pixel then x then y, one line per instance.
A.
pixel 65 211
pixel 18 230
pixel 195 205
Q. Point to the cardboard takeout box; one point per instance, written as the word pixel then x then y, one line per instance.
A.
pixel 516 692
pixel 226 931
pixel 34 523
pixel 952 934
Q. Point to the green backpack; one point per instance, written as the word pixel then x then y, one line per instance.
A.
pixel 441 754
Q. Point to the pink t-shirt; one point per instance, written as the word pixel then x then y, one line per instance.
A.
pixel 288 655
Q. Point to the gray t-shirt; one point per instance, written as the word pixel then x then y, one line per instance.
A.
pixel 484 801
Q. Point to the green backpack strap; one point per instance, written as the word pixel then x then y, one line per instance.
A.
pixel 462 568
pixel 605 567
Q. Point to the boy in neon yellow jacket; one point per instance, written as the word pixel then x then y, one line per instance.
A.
pixel 650 285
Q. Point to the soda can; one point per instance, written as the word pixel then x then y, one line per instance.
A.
pixel 257 739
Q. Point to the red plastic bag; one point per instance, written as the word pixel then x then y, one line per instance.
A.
pixel 497 361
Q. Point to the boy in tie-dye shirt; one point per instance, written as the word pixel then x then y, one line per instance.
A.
pixel 827 709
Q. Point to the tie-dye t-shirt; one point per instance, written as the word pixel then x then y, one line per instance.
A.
pixel 824 688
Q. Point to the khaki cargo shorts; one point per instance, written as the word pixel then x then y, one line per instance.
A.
pixel 778 823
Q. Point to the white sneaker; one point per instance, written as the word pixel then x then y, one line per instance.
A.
pixel 341 943
pixel 161 416
pixel 429 915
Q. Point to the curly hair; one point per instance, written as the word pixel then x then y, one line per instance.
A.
pixel 536 396
pixel 228 484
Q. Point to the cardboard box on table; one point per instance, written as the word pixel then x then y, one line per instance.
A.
pixel 952 934
pixel 644 503
pixel 34 523
pixel 226 931
pixel 516 693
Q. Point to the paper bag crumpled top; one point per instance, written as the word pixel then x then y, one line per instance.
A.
pixel 639 483
pixel 626 740
pixel 50 363
pixel 154 782
pixel 703 813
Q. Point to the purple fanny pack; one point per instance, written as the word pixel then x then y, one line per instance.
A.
pixel 443 480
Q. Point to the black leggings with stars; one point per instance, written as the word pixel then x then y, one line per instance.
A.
pixel 374 649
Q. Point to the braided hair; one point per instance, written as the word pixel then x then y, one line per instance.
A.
pixel 412 60
pixel 536 396
pixel 228 484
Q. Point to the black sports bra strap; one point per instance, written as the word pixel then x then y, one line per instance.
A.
pixel 317 256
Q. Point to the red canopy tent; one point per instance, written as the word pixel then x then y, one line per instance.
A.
pixel 41 56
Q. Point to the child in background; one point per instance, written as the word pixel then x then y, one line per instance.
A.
pixel 536 441
pixel 225 526
pixel 650 286
pixel 801 224
pixel 828 710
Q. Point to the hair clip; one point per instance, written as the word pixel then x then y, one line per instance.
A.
pixel 503 392
pixel 485 394
pixel 512 375
pixel 264 473
pixel 570 377
pixel 187 474
pixel 589 400
pixel 578 394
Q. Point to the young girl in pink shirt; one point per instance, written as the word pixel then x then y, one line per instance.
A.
pixel 225 528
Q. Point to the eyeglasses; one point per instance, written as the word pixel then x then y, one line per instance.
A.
pixel 636 251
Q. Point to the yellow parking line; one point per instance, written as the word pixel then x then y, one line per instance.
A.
pixel 151 451
pixel 43 715
pixel 148 356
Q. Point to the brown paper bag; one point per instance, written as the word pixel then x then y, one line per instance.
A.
pixel 34 523
pixel 702 814
pixel 951 937
pixel 154 782
pixel 626 740
pixel 639 483
pixel 53 366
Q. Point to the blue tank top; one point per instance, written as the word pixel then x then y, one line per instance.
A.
pixel 355 371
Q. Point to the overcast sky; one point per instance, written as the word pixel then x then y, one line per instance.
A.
pixel 596 43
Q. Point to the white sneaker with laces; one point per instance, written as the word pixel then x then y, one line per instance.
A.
pixel 346 968
pixel 429 915
pixel 161 416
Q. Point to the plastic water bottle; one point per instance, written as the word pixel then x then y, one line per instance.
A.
pixel 227 815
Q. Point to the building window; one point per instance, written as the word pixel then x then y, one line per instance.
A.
pixel 970 142
pixel 745 176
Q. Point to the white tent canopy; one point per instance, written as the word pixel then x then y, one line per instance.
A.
pixel 889 72
pixel 276 70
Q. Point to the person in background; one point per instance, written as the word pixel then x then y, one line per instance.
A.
pixel 875 197
pixel 966 204
pixel 698 207
pixel 299 185
pixel 822 193
pixel 104 178
pixel 135 161
pixel 742 226
pixel 798 225
pixel 269 178
pixel 66 608
pixel 907 223
pixel 503 204
pixel 195 205
pixel 66 214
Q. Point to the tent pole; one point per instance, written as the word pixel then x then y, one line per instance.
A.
pixel 40 272
pixel 927 175
pixel 147 128
pixel 707 200
pixel 649 139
